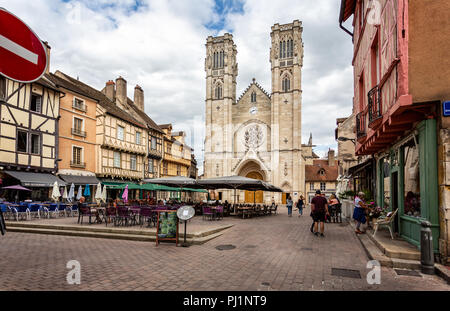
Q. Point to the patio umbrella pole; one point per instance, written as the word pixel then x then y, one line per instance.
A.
pixel 234 205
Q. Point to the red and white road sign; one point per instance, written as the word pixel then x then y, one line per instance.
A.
pixel 22 53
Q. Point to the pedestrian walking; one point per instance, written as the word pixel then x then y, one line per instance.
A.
pixel 319 209
pixel 289 204
pixel 333 204
pixel 300 204
pixel 359 213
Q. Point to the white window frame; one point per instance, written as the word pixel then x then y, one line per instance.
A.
pixel 81 155
pixel 114 159
pixel 311 186
pixel 31 143
pixel 324 188
pixel 138 139
pixel 133 157
pixel 40 102
pixel 118 133
pixel 82 122
pixel 83 103
pixel 151 168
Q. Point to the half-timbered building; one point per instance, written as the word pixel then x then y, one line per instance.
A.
pixel 401 81
pixel 29 114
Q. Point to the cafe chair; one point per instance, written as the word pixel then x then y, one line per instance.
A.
pixel 387 222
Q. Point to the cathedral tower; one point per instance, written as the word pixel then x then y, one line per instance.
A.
pixel 221 72
pixel 286 58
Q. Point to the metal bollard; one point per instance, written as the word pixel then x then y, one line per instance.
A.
pixel 426 248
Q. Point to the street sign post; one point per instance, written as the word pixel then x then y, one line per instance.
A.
pixel 185 213
pixel 22 54
pixel 446 108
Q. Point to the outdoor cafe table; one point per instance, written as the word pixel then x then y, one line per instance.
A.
pixel 215 211
pixel 245 210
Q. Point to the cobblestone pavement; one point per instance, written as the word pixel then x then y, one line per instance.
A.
pixel 272 253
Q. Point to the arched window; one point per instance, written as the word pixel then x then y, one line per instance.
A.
pixel 253 97
pixel 218 92
pixel 286 84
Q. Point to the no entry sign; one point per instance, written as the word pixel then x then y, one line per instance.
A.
pixel 22 54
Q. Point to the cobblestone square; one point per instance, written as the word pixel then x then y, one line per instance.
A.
pixel 271 253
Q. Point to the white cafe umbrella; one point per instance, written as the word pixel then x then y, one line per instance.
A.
pixel 80 193
pixel 71 193
pixel 104 194
pixel 55 192
pixel 98 193
pixel 65 193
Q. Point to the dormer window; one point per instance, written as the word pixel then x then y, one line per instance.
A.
pixel 322 172
pixel 253 97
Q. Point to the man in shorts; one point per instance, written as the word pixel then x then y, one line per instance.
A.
pixel 319 208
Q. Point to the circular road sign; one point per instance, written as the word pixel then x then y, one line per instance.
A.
pixel 22 54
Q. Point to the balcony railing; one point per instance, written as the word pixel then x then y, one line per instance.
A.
pixel 78 132
pixel 360 125
pixel 375 111
pixel 154 153
pixel 78 164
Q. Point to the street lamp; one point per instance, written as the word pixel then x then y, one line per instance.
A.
pixel 346 139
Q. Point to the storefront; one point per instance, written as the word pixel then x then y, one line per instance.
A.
pixel 39 183
pixel 407 181
pixel 82 180
pixel 363 177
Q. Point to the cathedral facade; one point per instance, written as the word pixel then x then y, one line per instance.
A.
pixel 257 134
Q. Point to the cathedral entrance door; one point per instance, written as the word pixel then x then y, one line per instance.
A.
pixel 283 199
pixel 254 196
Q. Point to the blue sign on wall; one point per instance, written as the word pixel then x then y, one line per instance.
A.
pixel 446 108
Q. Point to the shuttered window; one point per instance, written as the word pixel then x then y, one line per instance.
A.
pixel 76 155
pixel 36 102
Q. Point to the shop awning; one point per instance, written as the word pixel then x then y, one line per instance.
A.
pixel 359 167
pixel 80 180
pixel 28 179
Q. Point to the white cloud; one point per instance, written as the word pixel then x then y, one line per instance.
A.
pixel 160 46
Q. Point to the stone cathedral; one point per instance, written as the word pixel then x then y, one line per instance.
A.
pixel 257 134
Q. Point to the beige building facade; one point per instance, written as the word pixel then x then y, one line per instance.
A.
pixel 257 135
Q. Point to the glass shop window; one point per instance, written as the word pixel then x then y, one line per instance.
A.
pixel 411 179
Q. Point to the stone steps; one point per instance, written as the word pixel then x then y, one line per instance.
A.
pixel 195 238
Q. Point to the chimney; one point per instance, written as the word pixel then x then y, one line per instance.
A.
pixel 139 97
pixel 109 90
pixel 47 51
pixel 121 92
pixel 330 157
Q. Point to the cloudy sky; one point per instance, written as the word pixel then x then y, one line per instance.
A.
pixel 160 45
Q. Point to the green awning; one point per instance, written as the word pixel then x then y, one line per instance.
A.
pixel 195 190
pixel 153 187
